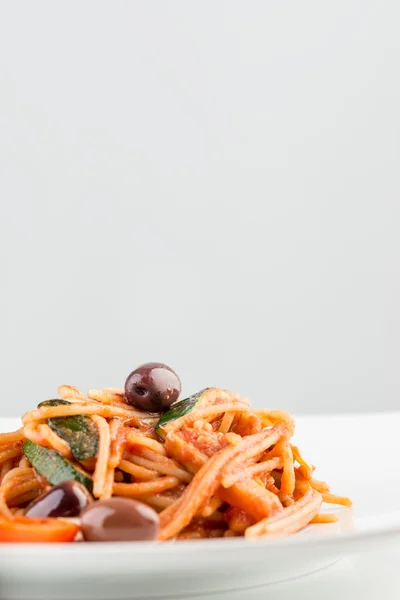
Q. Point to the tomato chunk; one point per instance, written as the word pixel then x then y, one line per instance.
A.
pixel 26 530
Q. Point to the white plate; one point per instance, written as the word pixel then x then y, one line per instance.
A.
pixel 357 455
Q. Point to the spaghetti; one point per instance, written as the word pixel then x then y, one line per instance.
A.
pixel 220 469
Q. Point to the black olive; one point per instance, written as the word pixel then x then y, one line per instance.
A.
pixel 68 499
pixel 119 520
pixel 152 387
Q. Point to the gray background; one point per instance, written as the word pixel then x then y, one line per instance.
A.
pixel 213 184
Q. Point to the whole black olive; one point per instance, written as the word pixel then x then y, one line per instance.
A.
pixel 67 499
pixel 152 387
pixel 119 520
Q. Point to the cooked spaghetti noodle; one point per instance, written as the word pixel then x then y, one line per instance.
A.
pixel 221 470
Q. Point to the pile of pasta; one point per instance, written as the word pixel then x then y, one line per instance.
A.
pixel 221 470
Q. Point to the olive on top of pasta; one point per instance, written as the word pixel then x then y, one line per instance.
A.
pixel 67 499
pixel 138 463
pixel 152 387
pixel 119 520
